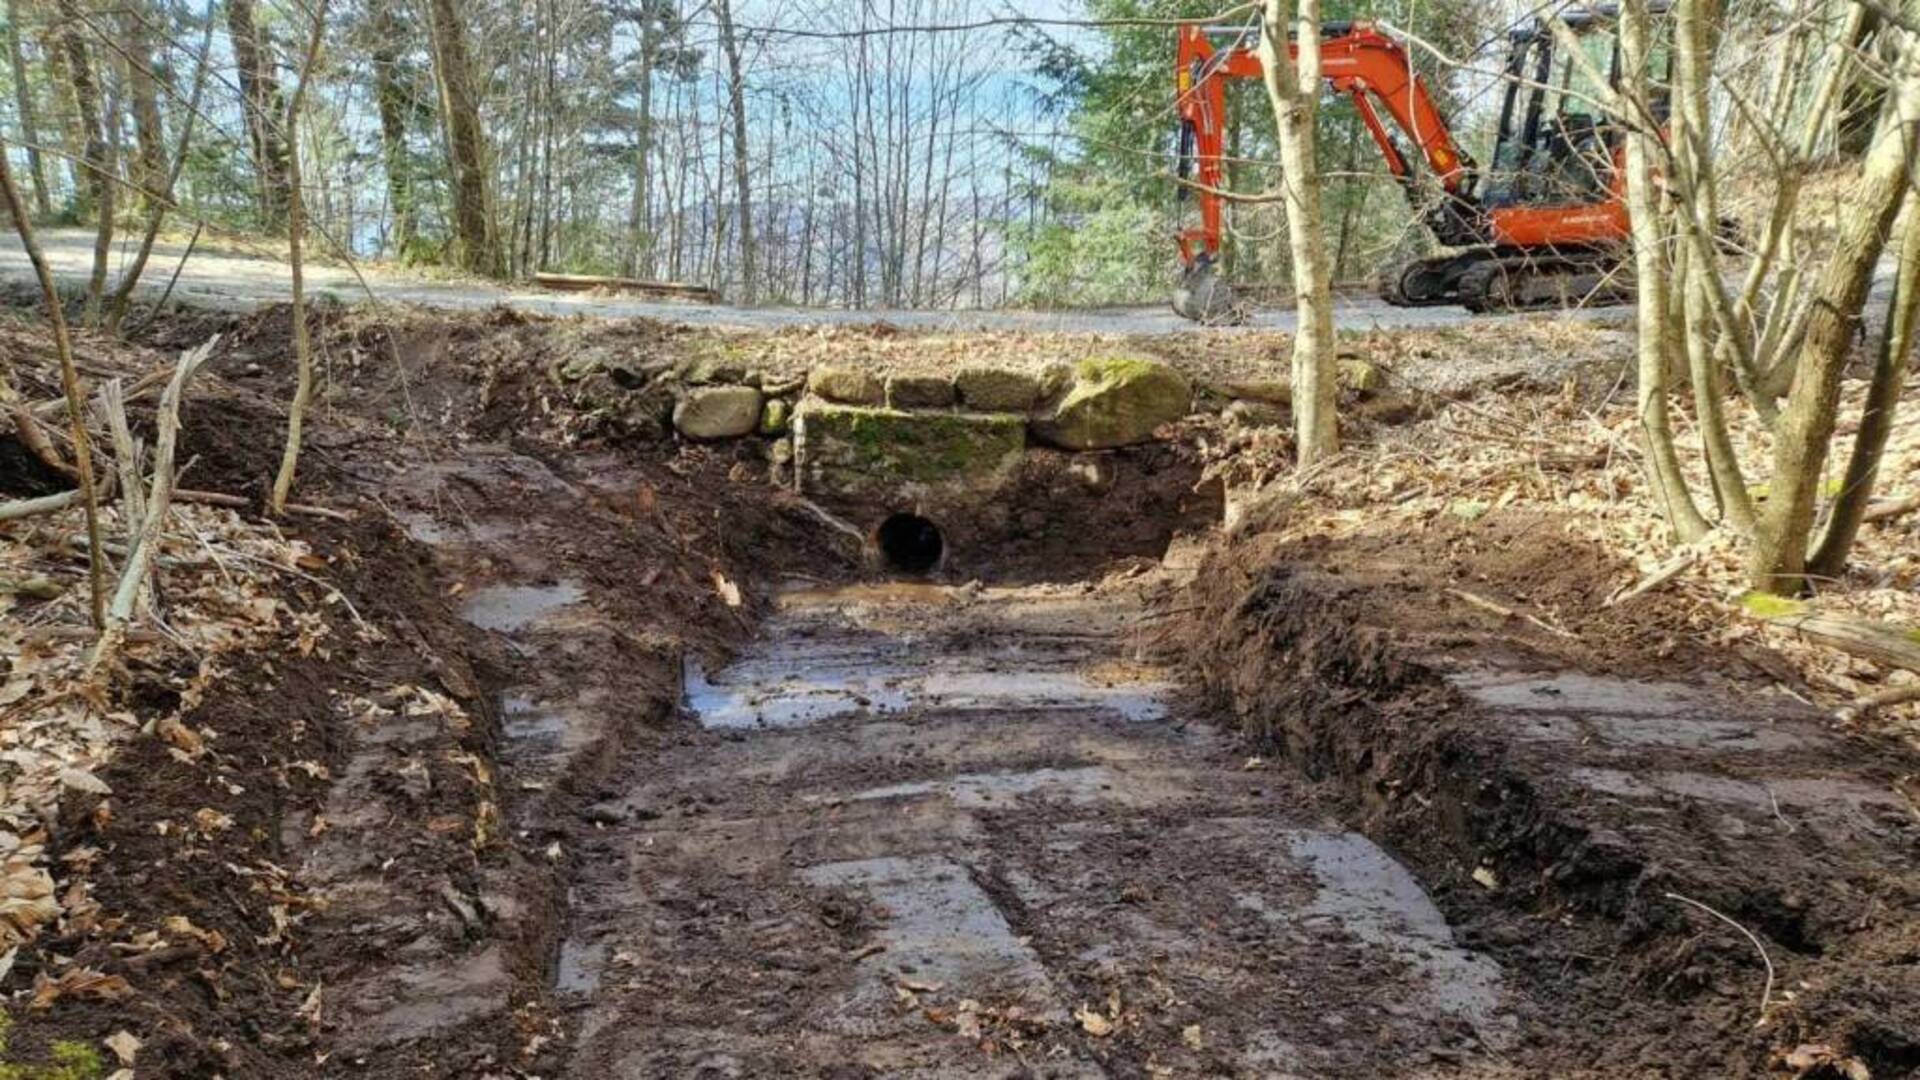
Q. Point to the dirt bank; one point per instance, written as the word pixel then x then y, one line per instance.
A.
pixel 1580 793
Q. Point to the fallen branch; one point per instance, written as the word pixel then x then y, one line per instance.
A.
pixel 45 504
pixel 1894 508
pixel 34 437
pixel 1882 643
pixel 1506 612
pixel 241 502
pixel 1886 699
pixel 1766 993
pixel 126 457
pixel 1666 572
pixel 147 542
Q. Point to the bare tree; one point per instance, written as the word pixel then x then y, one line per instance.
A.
pixel 737 102
pixel 69 383
pixel 1293 88
pixel 23 104
pixel 296 239
pixel 260 101
pixel 477 247
pixel 98 156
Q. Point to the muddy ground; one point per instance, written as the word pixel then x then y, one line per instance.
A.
pixel 641 773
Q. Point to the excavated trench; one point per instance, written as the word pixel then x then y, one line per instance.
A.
pixel 938 822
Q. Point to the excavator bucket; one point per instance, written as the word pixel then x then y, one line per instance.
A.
pixel 1204 297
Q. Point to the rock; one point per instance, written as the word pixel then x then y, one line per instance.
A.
pixel 919 392
pixel 985 389
pixel 848 386
pixel 1246 413
pixel 852 451
pixel 780 452
pixel 1270 391
pixel 775 417
pixel 1055 379
pixel 1359 376
pixel 716 370
pixel 1114 402
pixel 717 412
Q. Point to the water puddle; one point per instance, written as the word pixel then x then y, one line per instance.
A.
pixel 507 608
pixel 889 648
pixel 750 695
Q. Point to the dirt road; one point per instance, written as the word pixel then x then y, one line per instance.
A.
pixel 232 279
pixel 941 830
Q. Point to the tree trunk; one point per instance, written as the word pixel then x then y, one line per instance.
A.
pixel 1294 90
pixel 475 247
pixel 1877 414
pixel 70 384
pixel 122 298
pixel 638 257
pixel 737 106
pixel 150 139
pixel 392 98
pixel 296 256
pixel 98 156
pixel 1651 284
pixel 260 97
pixel 1806 426
pixel 23 102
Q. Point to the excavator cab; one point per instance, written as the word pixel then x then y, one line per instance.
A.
pixel 1556 145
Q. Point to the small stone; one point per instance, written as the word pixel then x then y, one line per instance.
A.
pixel 775 418
pixel 717 412
pixel 919 392
pixel 985 389
pixel 848 386
pixel 780 451
pixel 605 813
pixel 716 371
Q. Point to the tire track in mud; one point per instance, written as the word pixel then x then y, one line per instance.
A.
pixel 933 831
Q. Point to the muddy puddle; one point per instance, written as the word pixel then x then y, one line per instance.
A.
pixel 943 831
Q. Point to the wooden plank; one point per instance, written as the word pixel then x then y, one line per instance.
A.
pixel 585 282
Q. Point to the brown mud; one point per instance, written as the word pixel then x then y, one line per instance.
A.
pixel 1562 786
pixel 644 773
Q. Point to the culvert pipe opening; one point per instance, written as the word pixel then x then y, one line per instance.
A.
pixel 910 544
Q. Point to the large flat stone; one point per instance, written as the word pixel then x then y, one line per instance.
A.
pixel 852 451
pixel 1114 402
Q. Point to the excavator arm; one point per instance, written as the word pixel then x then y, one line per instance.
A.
pixel 1356 59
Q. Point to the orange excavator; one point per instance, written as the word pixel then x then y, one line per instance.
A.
pixel 1547 227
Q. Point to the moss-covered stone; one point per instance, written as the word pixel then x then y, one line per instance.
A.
pixel 1117 401
pixel 776 417
pixel 1359 376
pixel 851 450
pixel 905 391
pixel 989 389
pixel 847 386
